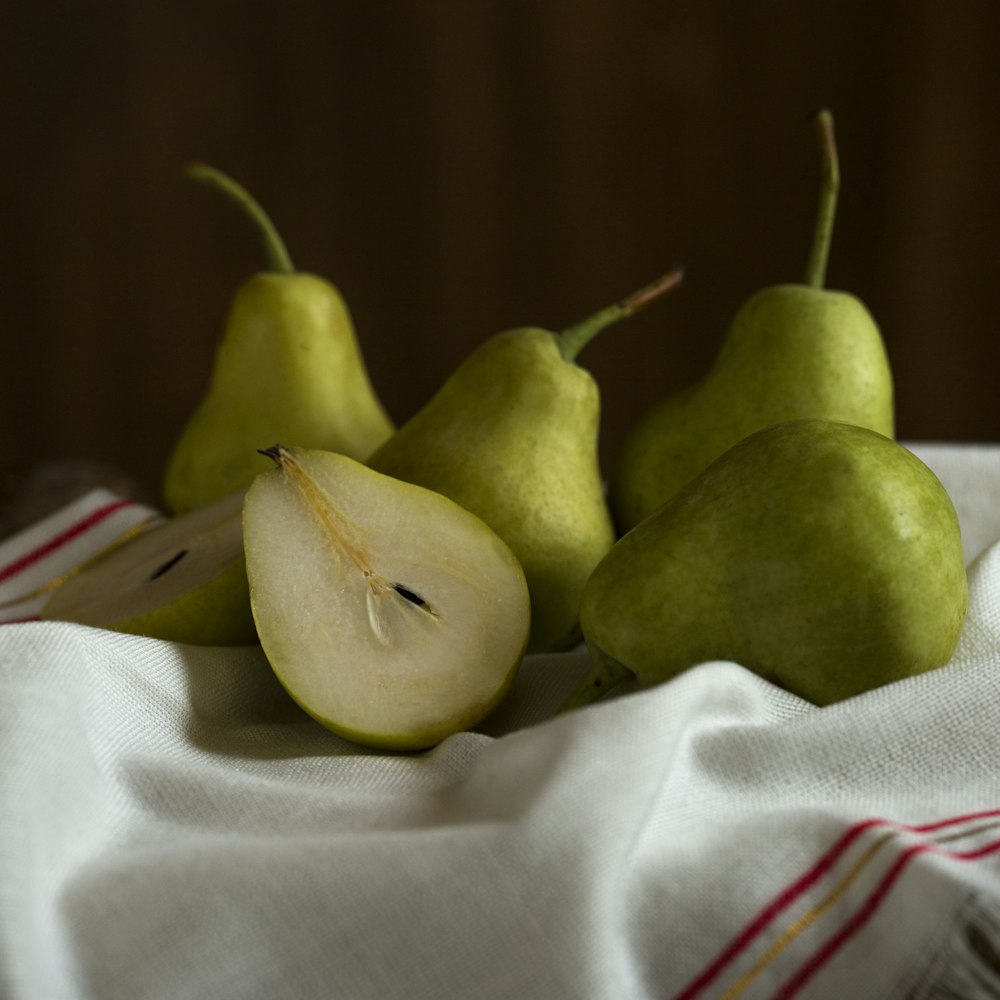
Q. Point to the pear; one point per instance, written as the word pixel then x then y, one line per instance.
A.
pixel 512 436
pixel 823 556
pixel 182 579
pixel 390 614
pixel 793 351
pixel 288 367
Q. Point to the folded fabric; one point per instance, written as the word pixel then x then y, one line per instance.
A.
pixel 173 826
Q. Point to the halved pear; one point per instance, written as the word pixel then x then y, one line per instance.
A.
pixel 183 579
pixel 392 615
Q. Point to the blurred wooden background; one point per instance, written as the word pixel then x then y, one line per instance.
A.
pixel 460 167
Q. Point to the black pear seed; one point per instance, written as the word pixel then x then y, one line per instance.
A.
pixel 169 564
pixel 409 595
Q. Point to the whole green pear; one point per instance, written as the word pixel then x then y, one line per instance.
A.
pixel 823 556
pixel 288 367
pixel 512 436
pixel 793 351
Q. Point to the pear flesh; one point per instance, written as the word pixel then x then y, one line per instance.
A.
pixel 183 579
pixel 289 366
pixel 793 352
pixel 825 557
pixel 391 615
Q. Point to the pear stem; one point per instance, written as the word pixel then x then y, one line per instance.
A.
pixel 278 257
pixel 573 339
pixel 819 253
pixel 601 681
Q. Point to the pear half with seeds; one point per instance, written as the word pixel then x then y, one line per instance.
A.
pixel 391 614
pixel 183 579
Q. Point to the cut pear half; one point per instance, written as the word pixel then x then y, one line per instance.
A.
pixel 183 579
pixel 392 615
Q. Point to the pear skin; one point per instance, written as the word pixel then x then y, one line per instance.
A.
pixel 512 436
pixel 792 352
pixel 288 368
pixel 823 556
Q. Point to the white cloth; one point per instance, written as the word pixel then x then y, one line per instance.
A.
pixel 172 826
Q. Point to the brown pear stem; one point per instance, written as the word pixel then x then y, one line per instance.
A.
pixel 278 257
pixel 819 253
pixel 600 682
pixel 573 339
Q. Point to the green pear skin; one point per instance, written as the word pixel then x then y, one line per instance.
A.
pixel 288 368
pixel 512 437
pixel 216 614
pixel 792 352
pixel 823 556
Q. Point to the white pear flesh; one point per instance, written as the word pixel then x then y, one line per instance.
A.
pixel 391 614
pixel 182 579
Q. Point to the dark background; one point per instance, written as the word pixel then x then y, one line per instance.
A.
pixel 457 168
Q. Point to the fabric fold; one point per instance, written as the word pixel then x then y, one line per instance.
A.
pixel 172 825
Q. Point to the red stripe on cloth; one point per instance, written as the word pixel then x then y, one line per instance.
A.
pixel 772 910
pixel 800 886
pixel 867 910
pixel 63 538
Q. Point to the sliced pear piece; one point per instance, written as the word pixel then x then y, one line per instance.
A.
pixel 392 615
pixel 184 579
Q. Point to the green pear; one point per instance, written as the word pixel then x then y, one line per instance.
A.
pixel 390 614
pixel 823 556
pixel 288 367
pixel 793 351
pixel 182 579
pixel 512 436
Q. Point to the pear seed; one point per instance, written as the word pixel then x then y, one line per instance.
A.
pixel 409 595
pixel 168 565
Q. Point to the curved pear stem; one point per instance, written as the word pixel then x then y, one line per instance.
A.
pixel 829 189
pixel 278 257
pixel 573 339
